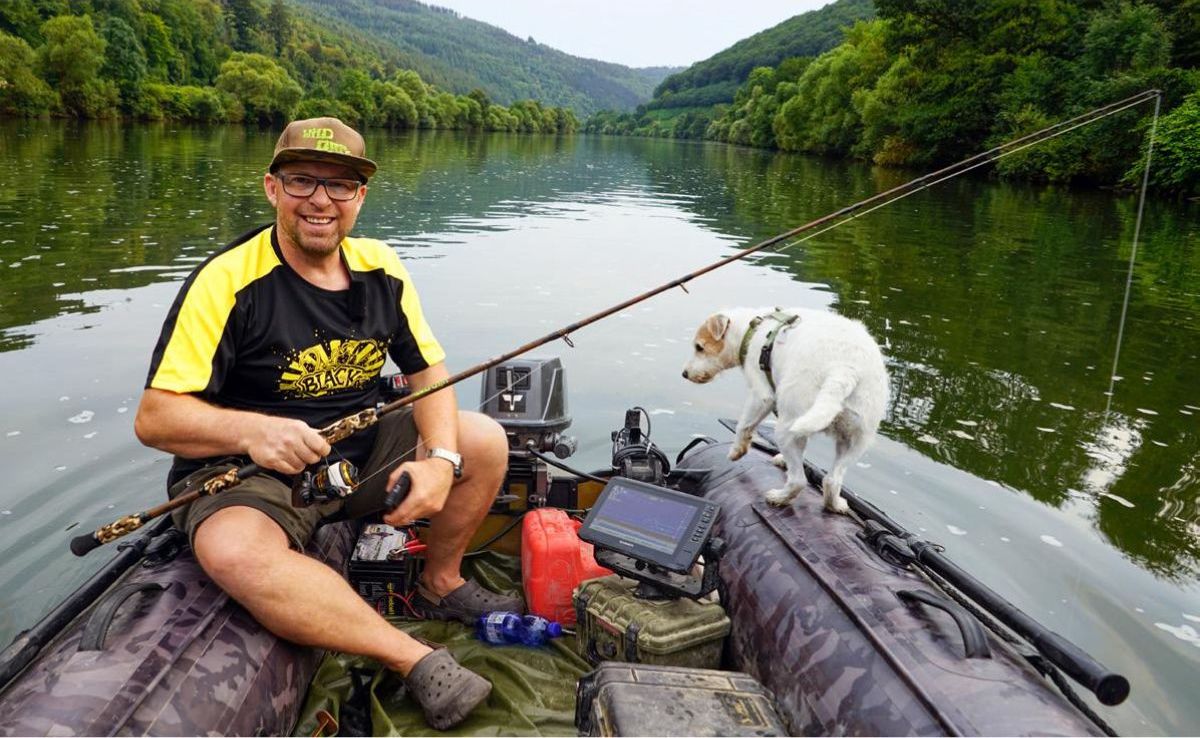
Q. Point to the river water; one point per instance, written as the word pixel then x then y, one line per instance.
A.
pixel 998 305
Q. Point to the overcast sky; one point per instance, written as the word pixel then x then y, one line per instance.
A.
pixel 637 33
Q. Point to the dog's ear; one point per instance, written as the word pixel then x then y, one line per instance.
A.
pixel 716 325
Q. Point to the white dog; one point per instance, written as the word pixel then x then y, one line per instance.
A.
pixel 819 372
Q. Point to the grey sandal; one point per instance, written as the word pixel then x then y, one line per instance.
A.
pixel 466 604
pixel 446 691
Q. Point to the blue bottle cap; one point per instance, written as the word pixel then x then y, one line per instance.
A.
pixel 553 629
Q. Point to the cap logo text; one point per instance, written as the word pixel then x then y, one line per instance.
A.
pixel 333 146
pixel 326 133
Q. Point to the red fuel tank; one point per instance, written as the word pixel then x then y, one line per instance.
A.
pixel 553 563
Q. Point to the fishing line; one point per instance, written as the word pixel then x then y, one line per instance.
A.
pixel 368 417
pixel 1157 97
pixel 1137 230
pixel 988 157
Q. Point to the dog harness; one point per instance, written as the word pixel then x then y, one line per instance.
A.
pixel 782 320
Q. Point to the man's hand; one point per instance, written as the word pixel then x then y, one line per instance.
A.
pixel 431 480
pixel 284 444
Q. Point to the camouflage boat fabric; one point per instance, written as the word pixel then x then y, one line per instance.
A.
pixel 180 660
pixel 816 618
pixel 533 688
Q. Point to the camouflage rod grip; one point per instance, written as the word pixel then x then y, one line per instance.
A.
pixel 81 545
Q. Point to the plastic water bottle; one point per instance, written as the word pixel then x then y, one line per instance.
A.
pixel 535 631
pixel 501 628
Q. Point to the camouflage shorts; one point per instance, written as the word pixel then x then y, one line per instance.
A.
pixel 395 442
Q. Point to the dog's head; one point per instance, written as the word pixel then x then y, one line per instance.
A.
pixel 715 350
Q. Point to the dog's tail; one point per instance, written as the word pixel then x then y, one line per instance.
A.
pixel 831 399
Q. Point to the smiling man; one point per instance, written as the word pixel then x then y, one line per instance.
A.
pixel 285 331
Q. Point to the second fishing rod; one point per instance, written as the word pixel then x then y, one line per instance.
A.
pixel 366 418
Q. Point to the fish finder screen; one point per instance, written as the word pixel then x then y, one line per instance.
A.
pixel 647 520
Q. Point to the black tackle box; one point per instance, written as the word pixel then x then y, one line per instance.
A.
pixel 622 699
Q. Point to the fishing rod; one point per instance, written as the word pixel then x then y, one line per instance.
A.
pixel 362 419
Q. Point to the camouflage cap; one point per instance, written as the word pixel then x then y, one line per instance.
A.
pixel 323 139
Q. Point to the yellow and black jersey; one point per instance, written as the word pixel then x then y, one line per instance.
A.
pixel 248 332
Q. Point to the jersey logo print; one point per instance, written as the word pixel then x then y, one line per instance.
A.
pixel 329 367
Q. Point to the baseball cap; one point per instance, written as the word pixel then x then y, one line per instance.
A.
pixel 323 139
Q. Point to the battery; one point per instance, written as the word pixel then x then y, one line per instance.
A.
pixel 382 568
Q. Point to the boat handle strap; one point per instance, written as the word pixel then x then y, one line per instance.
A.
pixel 97 626
pixel 974 637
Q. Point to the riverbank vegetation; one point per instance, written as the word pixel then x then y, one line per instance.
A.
pixel 932 81
pixel 233 61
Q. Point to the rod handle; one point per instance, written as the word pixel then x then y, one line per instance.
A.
pixel 398 492
pixel 81 545
pixel 1109 687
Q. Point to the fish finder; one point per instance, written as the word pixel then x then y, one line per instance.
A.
pixel 647 532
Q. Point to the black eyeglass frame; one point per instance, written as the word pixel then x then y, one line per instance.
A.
pixel 318 182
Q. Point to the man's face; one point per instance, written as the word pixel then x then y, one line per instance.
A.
pixel 315 224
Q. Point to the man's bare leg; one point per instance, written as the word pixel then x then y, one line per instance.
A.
pixel 484 449
pixel 294 596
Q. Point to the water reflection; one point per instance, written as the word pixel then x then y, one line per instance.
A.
pixel 999 305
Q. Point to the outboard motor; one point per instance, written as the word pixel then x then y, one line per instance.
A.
pixel 528 397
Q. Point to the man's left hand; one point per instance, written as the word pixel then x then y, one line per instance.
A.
pixel 431 481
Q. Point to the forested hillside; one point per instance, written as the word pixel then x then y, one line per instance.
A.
pixel 932 81
pixel 268 60
pixel 716 79
pixel 461 54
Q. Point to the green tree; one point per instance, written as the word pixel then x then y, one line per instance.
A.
pixel 279 24
pixel 355 91
pixel 71 60
pixel 1176 164
pixel 1126 38
pixel 397 108
pixel 124 61
pixel 21 92
pixel 821 116
pixel 260 87
pixel 20 18
pixel 245 20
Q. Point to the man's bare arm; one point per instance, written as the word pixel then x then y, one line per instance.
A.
pixel 187 426
pixel 436 417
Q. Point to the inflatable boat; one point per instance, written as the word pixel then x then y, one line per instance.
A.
pixel 852 625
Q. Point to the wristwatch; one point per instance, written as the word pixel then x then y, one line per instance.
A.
pixel 448 455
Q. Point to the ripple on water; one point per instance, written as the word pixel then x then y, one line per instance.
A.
pixel 1184 632
pixel 83 417
pixel 1051 541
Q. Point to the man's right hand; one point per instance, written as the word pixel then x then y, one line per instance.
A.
pixel 284 444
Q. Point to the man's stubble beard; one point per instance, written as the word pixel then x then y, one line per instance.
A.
pixel 314 247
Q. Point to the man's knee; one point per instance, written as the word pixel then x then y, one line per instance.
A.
pixel 235 543
pixel 483 443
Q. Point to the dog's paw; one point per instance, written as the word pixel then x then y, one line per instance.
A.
pixel 779 461
pixel 837 505
pixel 738 450
pixel 779 497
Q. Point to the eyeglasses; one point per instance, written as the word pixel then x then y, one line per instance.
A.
pixel 303 185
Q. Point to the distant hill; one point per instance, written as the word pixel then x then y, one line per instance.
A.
pixel 459 54
pixel 716 79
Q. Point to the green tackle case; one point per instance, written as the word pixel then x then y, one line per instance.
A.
pixel 614 625
pixel 633 699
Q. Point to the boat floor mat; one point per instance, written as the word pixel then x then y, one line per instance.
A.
pixel 533 689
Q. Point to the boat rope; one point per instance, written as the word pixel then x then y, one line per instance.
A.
pixel 347 426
